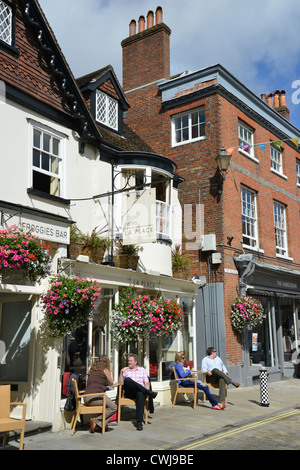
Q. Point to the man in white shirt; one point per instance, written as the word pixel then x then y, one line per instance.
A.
pixel 216 372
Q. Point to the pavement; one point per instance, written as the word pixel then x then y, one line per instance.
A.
pixel 171 427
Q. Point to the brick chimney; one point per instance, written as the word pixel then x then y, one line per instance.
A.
pixel 277 101
pixel 146 53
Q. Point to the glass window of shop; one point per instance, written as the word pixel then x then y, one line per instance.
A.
pixel 159 352
pixel 261 339
pixel 15 320
pixel 162 350
pixel 289 321
pixel 89 341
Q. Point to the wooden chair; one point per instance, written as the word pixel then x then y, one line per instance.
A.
pixel 122 400
pixel 192 390
pixel 212 385
pixel 6 422
pixel 82 409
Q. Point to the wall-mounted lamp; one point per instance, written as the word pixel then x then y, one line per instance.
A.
pixel 223 161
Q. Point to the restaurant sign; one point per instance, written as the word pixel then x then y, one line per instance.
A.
pixel 43 228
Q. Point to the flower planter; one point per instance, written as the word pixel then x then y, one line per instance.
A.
pixel 133 261
pixel 180 273
pixel 121 261
pixel 94 255
pixel 75 250
pixel 69 303
pixel 14 276
pixel 246 313
pixel 127 261
pixel 24 255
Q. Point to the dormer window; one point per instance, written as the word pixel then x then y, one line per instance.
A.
pixel 6 23
pixel 106 110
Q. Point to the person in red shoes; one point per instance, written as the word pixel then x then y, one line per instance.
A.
pixel 99 377
pixel 216 372
pixel 182 374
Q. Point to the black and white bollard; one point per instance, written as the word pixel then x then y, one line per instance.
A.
pixel 264 394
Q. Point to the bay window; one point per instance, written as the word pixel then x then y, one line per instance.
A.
pixel 144 178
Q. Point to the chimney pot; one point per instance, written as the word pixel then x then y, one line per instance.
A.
pixel 150 19
pixel 263 97
pixel 282 99
pixel 158 15
pixel 132 28
pixel 276 98
pixel 269 100
pixel 141 23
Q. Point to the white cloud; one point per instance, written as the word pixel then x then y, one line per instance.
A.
pixel 256 41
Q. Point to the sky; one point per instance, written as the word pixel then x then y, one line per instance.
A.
pixel 257 41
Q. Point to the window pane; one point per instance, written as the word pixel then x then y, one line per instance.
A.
pixel 55 187
pixel 15 334
pixel 45 162
pixel 46 142
pixel 55 165
pixel 36 158
pixel 5 23
pixel 55 143
pixel 37 139
pixel 41 182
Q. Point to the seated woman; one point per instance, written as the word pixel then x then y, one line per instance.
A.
pixel 182 374
pixel 99 377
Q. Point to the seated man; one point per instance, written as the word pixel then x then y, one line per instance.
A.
pixel 136 385
pixel 216 372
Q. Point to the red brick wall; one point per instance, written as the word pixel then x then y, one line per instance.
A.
pixel 146 57
pixel 197 165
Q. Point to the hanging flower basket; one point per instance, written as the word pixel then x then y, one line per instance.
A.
pixel 139 316
pixel 69 303
pixel 246 312
pixel 167 317
pixel 131 317
pixel 24 254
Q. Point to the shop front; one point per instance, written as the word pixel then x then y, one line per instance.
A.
pixel 275 343
pixel 155 352
pixel 28 358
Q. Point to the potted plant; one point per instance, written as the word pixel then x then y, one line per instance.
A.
pixel 127 256
pixel 23 254
pixel 180 263
pixel 76 242
pixel 69 303
pixel 246 312
pixel 95 246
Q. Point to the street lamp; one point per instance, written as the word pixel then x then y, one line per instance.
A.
pixel 223 162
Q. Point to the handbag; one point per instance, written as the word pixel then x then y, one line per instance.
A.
pixel 70 404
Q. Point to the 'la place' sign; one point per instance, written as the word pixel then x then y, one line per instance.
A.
pixel 45 229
